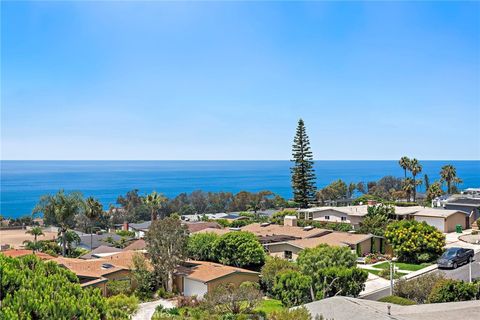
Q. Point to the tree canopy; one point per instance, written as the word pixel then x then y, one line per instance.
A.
pixel 33 289
pixel 166 242
pixel 240 249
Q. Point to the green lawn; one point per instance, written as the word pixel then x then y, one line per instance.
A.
pixel 402 266
pixel 270 305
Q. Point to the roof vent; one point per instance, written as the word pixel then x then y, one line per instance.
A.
pixel 107 266
pixel 307 228
pixel 265 224
pixel 235 229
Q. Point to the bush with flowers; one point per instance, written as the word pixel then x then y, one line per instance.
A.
pixel 414 241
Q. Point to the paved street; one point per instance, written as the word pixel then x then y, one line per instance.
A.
pixel 461 273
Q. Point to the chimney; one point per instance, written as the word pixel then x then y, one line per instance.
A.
pixel 371 202
pixel 290 221
pixel 125 226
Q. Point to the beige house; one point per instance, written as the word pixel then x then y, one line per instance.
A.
pixel 362 244
pixel 196 278
pixel 444 220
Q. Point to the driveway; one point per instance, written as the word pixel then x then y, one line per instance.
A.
pixel 146 310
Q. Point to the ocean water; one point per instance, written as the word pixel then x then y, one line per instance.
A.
pixel 23 182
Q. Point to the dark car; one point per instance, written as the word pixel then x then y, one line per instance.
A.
pixel 454 257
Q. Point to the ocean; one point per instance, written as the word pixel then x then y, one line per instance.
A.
pixel 23 182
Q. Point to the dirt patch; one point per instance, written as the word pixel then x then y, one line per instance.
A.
pixel 15 238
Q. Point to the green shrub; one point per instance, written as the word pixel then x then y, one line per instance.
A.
pixel 412 240
pixel 201 246
pixel 239 249
pixel 269 271
pixel 121 306
pixel 397 300
pixel 448 290
pixel 292 288
pixel 115 287
pixel 33 289
pixel 297 314
pixel 278 217
pixel 223 222
pixel 125 233
pixel 164 294
pixel 419 288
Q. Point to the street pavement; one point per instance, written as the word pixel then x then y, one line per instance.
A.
pixel 461 273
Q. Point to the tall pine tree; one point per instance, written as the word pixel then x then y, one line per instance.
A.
pixel 303 174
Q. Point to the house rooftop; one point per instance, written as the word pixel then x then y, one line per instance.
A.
pixel 335 238
pixel 198 226
pixel 275 229
pixel 346 308
pixel 362 210
pixel 93 268
pixel 136 245
pixel 213 230
pixel 207 271
pixel 465 201
pixel 101 252
pixel 441 213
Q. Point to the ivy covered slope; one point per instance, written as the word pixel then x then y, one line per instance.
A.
pixel 33 289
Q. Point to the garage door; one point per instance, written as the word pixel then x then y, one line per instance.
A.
pixel 194 288
pixel 438 223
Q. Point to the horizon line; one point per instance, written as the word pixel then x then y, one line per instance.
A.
pixel 229 159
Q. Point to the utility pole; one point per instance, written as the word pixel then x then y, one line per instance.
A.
pixel 470 270
pixel 392 270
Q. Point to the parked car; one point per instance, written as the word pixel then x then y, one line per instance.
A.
pixel 454 257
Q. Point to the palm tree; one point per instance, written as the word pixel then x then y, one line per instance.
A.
pixel 71 237
pixel 35 232
pixel 93 210
pixel 415 167
pixel 61 209
pixel 405 164
pixel 408 187
pixel 155 201
pixel 448 174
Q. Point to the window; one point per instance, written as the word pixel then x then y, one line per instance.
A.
pixel 327 217
pixel 288 255
pixel 344 218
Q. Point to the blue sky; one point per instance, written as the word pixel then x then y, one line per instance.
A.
pixel 150 80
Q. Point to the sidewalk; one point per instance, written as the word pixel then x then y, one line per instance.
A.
pixel 147 309
pixel 452 240
pixel 374 283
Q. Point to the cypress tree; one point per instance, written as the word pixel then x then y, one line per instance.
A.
pixel 303 174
